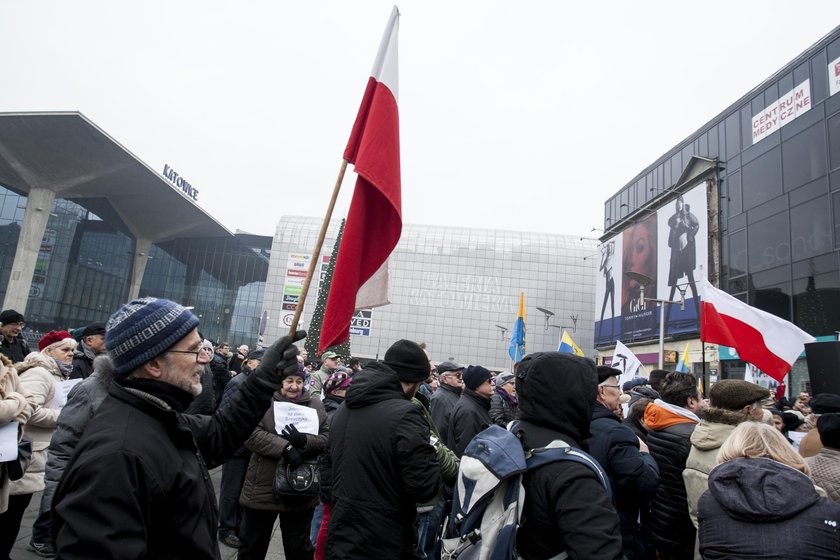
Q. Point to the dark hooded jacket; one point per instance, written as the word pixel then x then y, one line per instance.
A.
pixel 760 508
pixel 383 465
pixel 566 508
pixel 331 405
pixel 634 475
pixel 470 416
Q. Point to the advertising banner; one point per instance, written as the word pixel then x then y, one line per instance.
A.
pixel 659 255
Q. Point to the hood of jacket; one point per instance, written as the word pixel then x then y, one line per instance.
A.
pixel 377 382
pixel 660 415
pixel 37 359
pixel 761 490
pixel 557 391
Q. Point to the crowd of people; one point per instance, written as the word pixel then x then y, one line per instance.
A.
pixel 125 420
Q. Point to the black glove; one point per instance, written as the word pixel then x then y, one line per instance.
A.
pixel 292 457
pixel 281 356
pixel 293 436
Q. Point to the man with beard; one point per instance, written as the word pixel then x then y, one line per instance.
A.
pixel 138 484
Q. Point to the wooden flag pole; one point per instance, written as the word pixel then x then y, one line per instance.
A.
pixel 317 252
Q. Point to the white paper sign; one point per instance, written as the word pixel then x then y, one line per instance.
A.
pixel 62 389
pixel 797 438
pixel 9 441
pixel 304 418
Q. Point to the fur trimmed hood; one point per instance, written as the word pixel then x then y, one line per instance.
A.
pixel 722 416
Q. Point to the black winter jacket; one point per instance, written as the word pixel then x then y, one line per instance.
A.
pixel 138 484
pixel 441 405
pixel 759 508
pixel 501 411
pixel 634 475
pixel 82 363
pixel 670 523
pixel 383 466
pixel 566 507
pixel 470 416
pixel 331 404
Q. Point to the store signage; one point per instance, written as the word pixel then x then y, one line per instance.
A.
pixel 834 76
pixel 794 103
pixel 361 322
pixel 180 182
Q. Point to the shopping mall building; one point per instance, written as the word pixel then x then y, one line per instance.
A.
pixel 750 201
pixel 85 226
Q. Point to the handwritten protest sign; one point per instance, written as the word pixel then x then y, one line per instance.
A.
pixel 304 418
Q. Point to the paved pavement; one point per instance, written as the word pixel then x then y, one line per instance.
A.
pixel 20 552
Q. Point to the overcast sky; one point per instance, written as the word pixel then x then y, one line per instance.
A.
pixel 513 115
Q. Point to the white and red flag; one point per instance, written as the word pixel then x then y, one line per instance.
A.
pixel 374 222
pixel 769 343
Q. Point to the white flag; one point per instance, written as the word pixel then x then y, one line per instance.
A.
pixel 626 361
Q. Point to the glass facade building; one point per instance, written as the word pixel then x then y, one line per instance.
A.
pixel 456 289
pixel 115 230
pixel 774 225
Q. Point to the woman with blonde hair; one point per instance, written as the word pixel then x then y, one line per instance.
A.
pixel 39 375
pixel 761 502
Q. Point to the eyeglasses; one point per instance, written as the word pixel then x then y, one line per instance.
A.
pixel 198 353
pixel 450 374
pixel 612 386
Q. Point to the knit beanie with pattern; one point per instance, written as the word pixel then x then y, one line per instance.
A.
pixel 143 329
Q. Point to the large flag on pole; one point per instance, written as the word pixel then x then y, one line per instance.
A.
pixel 374 222
pixel 517 336
pixel 764 340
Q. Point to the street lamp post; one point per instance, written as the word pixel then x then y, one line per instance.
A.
pixel 662 303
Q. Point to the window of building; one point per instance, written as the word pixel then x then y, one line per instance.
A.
pixel 810 228
pixel 834 141
pixel 761 179
pixel 804 157
pixel 768 243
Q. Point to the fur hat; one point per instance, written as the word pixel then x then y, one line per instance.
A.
pixel 408 360
pixel 54 337
pixel 143 329
pixel 735 394
pixel 475 376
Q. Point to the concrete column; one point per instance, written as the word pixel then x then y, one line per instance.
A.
pixel 39 203
pixel 141 257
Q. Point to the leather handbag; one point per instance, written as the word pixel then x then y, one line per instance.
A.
pixel 15 468
pixel 302 482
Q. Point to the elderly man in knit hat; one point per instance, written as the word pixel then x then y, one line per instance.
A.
pixel 138 484
pixel 731 401
pixel 382 460
pixel 12 343
pixel 472 411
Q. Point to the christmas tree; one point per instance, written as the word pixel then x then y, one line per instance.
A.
pixel 313 337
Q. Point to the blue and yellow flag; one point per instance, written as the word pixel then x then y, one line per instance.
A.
pixel 568 345
pixel 682 365
pixel 517 337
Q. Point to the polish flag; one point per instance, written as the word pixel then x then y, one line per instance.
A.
pixel 374 222
pixel 769 343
